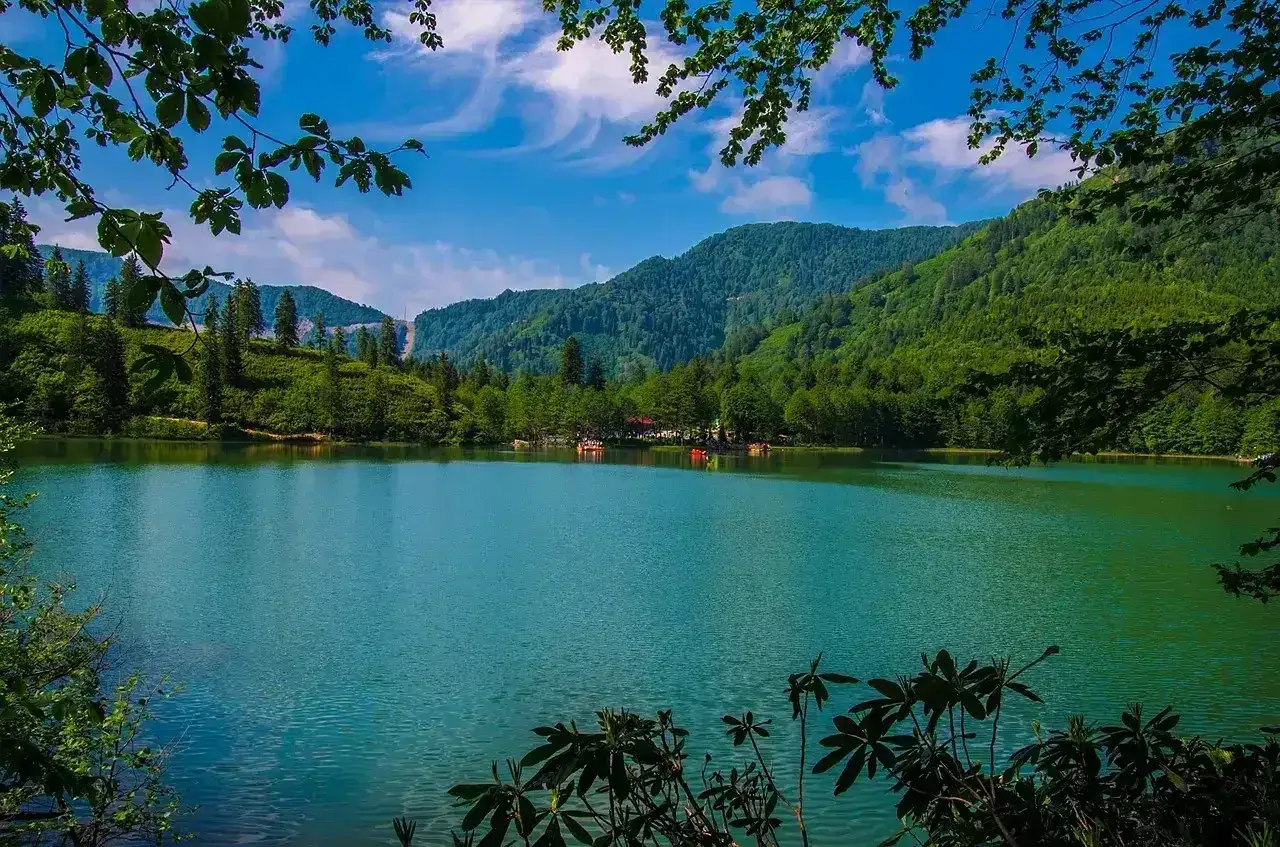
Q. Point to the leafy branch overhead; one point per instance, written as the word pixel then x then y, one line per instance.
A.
pixel 142 81
pixel 1182 131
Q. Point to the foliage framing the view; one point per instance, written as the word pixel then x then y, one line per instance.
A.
pixel 1190 131
pixel 138 81
pixel 932 737
pixel 75 763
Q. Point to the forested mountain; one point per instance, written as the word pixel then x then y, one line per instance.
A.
pixel 666 311
pixel 310 300
pixel 916 332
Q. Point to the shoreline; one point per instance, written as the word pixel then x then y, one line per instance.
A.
pixel 260 437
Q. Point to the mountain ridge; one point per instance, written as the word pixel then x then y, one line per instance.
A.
pixel 663 311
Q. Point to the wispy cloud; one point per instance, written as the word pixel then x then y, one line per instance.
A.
pixel 577 104
pixel 770 195
pixel 937 152
pixel 301 246
pixel 780 184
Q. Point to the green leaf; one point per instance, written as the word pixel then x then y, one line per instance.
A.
pixel 212 16
pixel 143 293
pixel 198 114
pixel 169 109
pixel 279 188
pixel 173 303
pixel 577 830
pixel 227 161
pixel 479 811
pixel 539 754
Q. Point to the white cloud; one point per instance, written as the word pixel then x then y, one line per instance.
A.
pixel 871 102
pixel 571 99
pixel 919 207
pixel 938 152
pixel 300 246
pixel 848 56
pixel 769 195
pixel 780 181
pixel 476 27
pixel 944 144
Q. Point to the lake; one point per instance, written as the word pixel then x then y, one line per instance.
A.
pixel 359 628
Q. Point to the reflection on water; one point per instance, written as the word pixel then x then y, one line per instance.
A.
pixel 359 627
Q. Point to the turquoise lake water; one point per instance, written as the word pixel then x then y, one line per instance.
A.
pixel 357 629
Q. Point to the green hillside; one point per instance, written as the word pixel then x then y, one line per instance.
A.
pixel 73 374
pixel 338 311
pixel 918 332
pixel 666 311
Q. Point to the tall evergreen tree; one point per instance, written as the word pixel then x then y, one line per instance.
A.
pixel 210 367
pixel 333 406
pixel 340 340
pixel 376 415
pixel 363 336
pixel 231 342
pixel 132 308
pixel 57 279
pixel 446 379
pixel 319 333
pixel 80 288
pixel 248 309
pixel 595 374
pixel 20 274
pixel 108 361
pixel 388 342
pixel 113 300
pixel 480 374
pixel 286 328
pixel 571 362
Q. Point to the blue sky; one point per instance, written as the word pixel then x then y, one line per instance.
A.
pixel 527 183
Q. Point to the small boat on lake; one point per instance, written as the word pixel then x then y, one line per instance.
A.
pixel 758 448
pixel 698 454
pixel 590 445
pixel 520 445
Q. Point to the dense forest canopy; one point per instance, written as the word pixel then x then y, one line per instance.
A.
pixel 663 311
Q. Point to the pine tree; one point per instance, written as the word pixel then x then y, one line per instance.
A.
pixel 286 328
pixel 90 411
pixel 340 340
pixel 333 405
pixel 571 362
pixel 108 361
pixel 57 279
pixel 112 301
pixel 446 379
pixel 80 288
pixel 480 374
pixel 210 367
pixel 248 309
pixel 595 374
pixel 362 345
pixel 20 274
pixel 388 343
pixel 379 398
pixel 319 333
pixel 232 351
pixel 133 309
